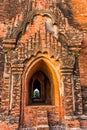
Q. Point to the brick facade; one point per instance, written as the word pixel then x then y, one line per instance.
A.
pixel 41 41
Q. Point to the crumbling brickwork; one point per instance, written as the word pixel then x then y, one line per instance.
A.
pixel 46 37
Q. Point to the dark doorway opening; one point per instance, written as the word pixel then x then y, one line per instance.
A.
pixel 39 89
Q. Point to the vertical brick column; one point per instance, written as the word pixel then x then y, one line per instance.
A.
pixel 6 88
pixel 68 97
pixel 77 89
pixel 17 77
pixel 1 70
pixel 16 94
pixel 7 75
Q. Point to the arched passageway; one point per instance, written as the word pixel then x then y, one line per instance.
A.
pixel 41 75
pixel 41 90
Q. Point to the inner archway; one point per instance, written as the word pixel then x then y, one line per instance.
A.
pixel 39 89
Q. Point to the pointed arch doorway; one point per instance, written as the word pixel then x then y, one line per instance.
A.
pixel 42 75
pixel 40 90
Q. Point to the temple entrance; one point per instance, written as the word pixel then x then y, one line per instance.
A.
pixel 41 95
pixel 41 84
pixel 39 89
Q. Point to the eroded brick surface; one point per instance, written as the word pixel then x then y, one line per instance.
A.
pixel 4 127
pixel 23 22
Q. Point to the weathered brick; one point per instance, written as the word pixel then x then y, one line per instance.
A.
pixel 23 37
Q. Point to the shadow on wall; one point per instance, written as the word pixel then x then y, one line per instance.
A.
pixel 66 9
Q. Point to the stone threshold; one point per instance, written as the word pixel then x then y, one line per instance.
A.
pixel 83 117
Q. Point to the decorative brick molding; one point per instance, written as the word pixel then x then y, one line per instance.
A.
pixel 42 43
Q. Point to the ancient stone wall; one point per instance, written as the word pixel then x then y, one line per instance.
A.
pixel 21 26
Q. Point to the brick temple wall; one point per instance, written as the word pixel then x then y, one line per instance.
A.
pixel 11 13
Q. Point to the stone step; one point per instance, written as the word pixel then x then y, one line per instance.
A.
pixel 28 128
pixel 42 127
pixel 42 120
pixel 42 113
